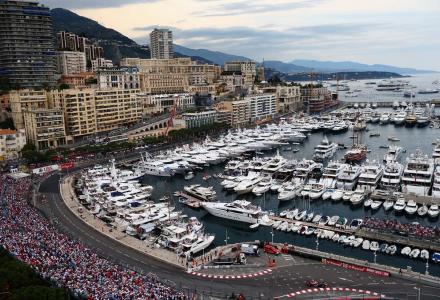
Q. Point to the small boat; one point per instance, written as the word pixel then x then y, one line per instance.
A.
pixel 335 238
pixel 294 150
pixel 422 211
pixel 341 222
pixel 342 238
pixel 327 194
pixel 337 195
pixel 324 220
pixel 391 250
pixel 309 217
pixel 367 203
pixel 399 205
pixel 356 223
pixel 433 211
pixel 366 245
pixel 288 148
pixel 383 247
pixel 424 254
pixel 436 257
pixel 374 134
pixel 388 204
pixel 284 213
pixel 374 246
pixel 316 218
pixel 301 215
pixel 303 229
pixel 411 207
pixel 333 220
pixel 405 251
pixel 384 146
pixel 375 204
pixel 393 139
pixel 309 231
pixel 414 253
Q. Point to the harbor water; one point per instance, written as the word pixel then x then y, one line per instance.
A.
pixel 411 139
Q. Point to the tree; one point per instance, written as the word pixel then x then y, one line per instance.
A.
pixel 64 86
pixel 275 79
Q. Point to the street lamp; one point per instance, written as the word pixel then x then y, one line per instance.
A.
pixel 227 237
pixel 272 234
pixel 375 256
pixel 317 242
pixel 427 266
pixel 418 289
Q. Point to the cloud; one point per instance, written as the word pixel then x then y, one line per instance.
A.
pixel 252 7
pixel 83 4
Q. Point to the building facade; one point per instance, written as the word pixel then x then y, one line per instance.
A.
pixel 27 56
pixel 200 118
pixel 67 41
pixel 248 70
pixel 316 99
pixel 45 128
pixel 158 104
pixel 119 78
pixel 23 100
pixel 161 44
pixel 71 62
pixel 11 143
pixel 262 106
pixel 101 63
pixel 288 97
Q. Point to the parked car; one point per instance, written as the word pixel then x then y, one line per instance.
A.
pixel 271 249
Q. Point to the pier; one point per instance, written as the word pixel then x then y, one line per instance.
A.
pixel 386 104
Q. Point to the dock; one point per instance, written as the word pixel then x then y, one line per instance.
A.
pixel 372 235
pixel 188 200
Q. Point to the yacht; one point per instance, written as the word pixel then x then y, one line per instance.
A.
pixel 436 152
pixel 325 150
pixel 393 154
pixel 306 168
pixel 384 118
pixel 348 178
pixel 418 174
pixel 290 191
pixel 238 210
pixel 370 176
pixel 436 184
pixel 433 211
pixel 247 185
pixel 155 168
pixel 410 120
pixel 316 191
pixel 411 207
pixel 330 173
pixel 399 119
pixel 201 193
pixel 392 176
pixel 399 205
pixel 262 187
pixel 274 164
pixel 194 243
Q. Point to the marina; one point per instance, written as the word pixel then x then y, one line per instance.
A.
pixel 203 181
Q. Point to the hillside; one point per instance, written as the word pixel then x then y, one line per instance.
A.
pixel 349 66
pixel 215 56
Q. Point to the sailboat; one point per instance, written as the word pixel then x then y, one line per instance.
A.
pixel 358 151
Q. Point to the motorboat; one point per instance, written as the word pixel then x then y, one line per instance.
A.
pixel 331 172
pixel 391 250
pixel 393 154
pixel 262 187
pixel 325 150
pixel 348 178
pixel 324 220
pixel 355 224
pixel 347 195
pixel 341 223
pixel 422 210
pixel 201 193
pixel 316 191
pixel 383 247
pixel 316 218
pixel 247 185
pixel 424 254
pixel 384 118
pixel 366 245
pixel 433 211
pixel 399 205
pixel 418 174
pixel 301 215
pixel 375 204
pixel 405 251
pixel 238 210
pixel 358 197
pixel 290 191
pixel 367 203
pixel 388 204
pixel 333 220
pixel 327 194
pixel 436 183
pixel 374 246
pixel 337 195
pixel 370 176
pixel 411 207
pixel 414 253
pixel 391 176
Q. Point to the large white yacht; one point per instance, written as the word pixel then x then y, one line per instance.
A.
pixel 274 164
pixel 436 184
pixel 393 154
pixel 329 176
pixel 194 243
pixel 325 150
pixel 238 210
pixel 418 174
pixel 348 178
pixel 392 175
pixel 384 118
pixel 305 168
pixel 399 119
pixel 370 176
pixel 200 192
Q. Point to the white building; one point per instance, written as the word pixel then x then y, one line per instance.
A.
pixel 100 63
pixel 262 106
pixel 121 78
pixel 248 70
pixel 161 44
pixel 154 104
pixel 71 62
pixel 201 118
pixel 11 143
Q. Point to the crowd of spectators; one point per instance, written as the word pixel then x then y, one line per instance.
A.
pixel 394 226
pixel 30 237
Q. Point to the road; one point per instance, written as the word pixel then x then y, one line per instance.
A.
pixel 287 278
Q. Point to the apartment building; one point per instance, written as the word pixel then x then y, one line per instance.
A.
pixel 200 118
pixel 71 62
pixel 90 111
pixel 288 98
pixel 161 44
pixel 248 69
pixel 78 81
pixel 119 78
pixel 101 63
pixel 316 99
pixel 157 104
pixel 11 143
pixel 27 55
pixel 262 106
pixel 23 100
pixel 162 76
pixel 67 41
pixel 45 128
pixel 237 112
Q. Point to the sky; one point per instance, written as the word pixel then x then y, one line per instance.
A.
pixel 403 33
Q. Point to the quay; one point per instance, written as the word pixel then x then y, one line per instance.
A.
pixel 371 235
pixel 386 104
